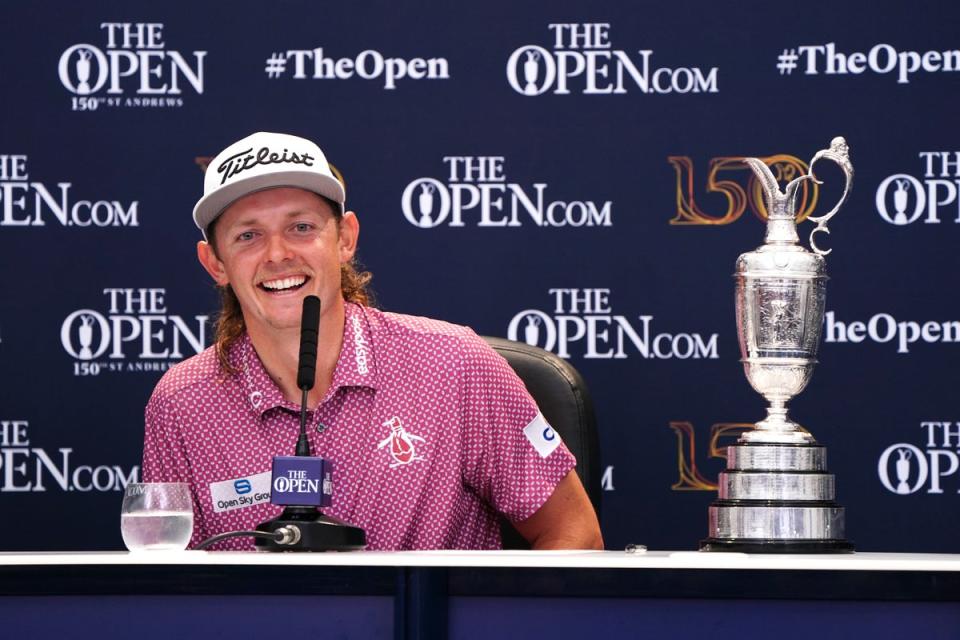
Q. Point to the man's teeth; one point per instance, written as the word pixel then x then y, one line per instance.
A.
pixel 285 283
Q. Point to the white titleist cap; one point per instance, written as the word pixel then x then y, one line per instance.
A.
pixel 264 161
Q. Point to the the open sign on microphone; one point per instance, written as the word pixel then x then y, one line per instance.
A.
pixel 301 481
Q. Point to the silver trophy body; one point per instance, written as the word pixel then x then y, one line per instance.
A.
pixel 776 495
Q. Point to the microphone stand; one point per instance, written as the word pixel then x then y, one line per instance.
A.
pixel 306 527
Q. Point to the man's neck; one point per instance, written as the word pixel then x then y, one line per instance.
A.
pixel 279 351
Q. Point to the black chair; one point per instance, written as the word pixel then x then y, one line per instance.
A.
pixel 563 398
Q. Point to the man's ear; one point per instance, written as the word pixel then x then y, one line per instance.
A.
pixel 349 234
pixel 208 258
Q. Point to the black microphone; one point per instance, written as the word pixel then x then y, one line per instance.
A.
pixel 301 483
pixel 309 328
pixel 307 366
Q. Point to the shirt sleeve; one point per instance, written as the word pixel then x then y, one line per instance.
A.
pixel 164 454
pixel 511 456
pixel 164 458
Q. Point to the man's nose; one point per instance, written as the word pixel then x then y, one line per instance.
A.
pixel 277 248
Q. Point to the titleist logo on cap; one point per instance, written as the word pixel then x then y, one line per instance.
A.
pixel 245 160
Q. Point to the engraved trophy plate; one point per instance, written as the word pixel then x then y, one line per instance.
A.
pixel 777 458
pixel 752 485
pixel 761 525
pixel 776 495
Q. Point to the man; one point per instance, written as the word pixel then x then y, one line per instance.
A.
pixel 430 432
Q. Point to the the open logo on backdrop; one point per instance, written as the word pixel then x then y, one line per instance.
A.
pixel 580 58
pixel 931 196
pixel 131 68
pixel 581 322
pixel 475 191
pixel 930 467
pixel 135 332
pixel 34 469
pixel 26 202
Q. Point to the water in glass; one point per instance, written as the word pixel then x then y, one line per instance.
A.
pixel 156 516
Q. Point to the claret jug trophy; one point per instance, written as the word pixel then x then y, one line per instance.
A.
pixel 775 495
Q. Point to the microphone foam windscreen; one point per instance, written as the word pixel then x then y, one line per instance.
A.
pixel 309 327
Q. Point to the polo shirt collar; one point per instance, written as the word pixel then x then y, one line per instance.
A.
pixel 356 366
pixel 262 393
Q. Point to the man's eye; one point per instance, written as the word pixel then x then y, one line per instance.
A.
pixel 246 236
pixel 303 227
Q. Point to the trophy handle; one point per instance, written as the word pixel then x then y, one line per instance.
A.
pixel 839 152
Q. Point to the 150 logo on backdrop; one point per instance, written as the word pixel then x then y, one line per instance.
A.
pixel 583 320
pixel 134 60
pixel 730 177
pixel 477 186
pixel 903 199
pixel 582 60
pixel 30 203
pixel 136 333
pixel 27 468
pixel 905 468
pixel 690 476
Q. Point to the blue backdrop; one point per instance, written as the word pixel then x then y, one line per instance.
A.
pixel 560 173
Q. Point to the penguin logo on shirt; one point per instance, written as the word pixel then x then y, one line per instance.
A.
pixel 400 442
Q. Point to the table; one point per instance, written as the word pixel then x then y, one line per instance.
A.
pixel 491 594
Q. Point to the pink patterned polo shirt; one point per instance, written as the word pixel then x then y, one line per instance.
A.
pixel 430 431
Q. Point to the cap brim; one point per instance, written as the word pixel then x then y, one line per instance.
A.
pixel 212 205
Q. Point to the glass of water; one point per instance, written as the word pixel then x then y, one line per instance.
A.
pixel 156 515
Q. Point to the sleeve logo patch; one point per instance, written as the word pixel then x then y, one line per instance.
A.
pixel 542 436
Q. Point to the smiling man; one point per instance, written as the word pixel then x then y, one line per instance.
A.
pixel 432 435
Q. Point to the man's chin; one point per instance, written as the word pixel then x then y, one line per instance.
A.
pixel 281 319
pixel 288 320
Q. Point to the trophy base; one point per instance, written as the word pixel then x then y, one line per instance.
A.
pixel 731 545
pixel 776 498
